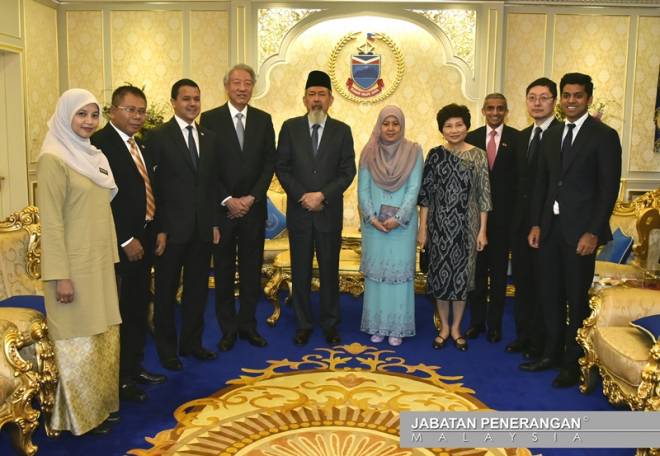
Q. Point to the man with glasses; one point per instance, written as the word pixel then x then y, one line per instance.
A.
pixel 541 96
pixel 133 210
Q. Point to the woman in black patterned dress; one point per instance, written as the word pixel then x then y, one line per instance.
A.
pixel 454 200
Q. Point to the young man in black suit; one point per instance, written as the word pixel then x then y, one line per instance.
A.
pixel 315 165
pixel 247 161
pixel 186 175
pixel 486 301
pixel 576 187
pixel 133 209
pixel 541 96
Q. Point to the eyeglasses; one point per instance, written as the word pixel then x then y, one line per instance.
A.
pixel 541 99
pixel 132 110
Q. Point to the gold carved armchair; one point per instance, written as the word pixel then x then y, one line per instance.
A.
pixel 27 365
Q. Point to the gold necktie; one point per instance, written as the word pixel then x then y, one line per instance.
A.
pixel 151 203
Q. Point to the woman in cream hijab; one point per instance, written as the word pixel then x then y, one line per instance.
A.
pixel 389 178
pixel 79 249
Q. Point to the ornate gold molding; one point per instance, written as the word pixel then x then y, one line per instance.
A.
pixel 28 220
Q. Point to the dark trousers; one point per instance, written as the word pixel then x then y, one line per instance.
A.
pixel 327 245
pixel 133 280
pixel 564 287
pixel 486 301
pixel 242 240
pixel 528 312
pixel 195 258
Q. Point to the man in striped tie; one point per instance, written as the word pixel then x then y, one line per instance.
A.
pixel 133 209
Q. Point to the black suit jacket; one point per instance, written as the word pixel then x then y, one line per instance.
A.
pixel 330 172
pixel 503 179
pixel 186 204
pixel 248 171
pixel 526 170
pixel 586 185
pixel 129 207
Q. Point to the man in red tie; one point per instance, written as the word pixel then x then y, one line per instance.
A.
pixel 486 301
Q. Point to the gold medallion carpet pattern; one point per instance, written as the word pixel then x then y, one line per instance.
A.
pixel 340 401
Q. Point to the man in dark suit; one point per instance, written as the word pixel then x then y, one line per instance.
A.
pixel 133 211
pixel 576 187
pixel 541 96
pixel 486 301
pixel 315 165
pixel 247 161
pixel 186 175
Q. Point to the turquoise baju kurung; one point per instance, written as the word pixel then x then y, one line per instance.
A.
pixel 388 259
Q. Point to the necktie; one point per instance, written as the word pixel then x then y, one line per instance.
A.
pixel 192 146
pixel 315 138
pixel 534 145
pixel 491 149
pixel 151 203
pixel 567 142
pixel 240 130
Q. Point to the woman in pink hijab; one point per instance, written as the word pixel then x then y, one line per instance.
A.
pixel 388 182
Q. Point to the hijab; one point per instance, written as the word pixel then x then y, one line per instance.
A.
pixel 78 153
pixel 389 163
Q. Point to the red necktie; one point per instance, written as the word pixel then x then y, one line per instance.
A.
pixel 491 149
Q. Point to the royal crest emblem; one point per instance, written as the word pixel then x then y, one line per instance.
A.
pixel 373 74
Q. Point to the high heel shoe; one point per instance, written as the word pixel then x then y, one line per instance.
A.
pixel 438 344
pixel 460 343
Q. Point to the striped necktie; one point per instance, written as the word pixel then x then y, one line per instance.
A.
pixel 151 202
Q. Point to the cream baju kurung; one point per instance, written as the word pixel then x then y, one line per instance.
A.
pixel 79 243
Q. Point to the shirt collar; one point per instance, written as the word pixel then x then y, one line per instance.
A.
pixel 183 124
pixel 545 124
pixel 578 123
pixel 499 130
pixel 124 136
pixel 322 123
pixel 233 111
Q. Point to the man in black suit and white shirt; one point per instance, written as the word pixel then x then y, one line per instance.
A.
pixel 247 161
pixel 576 187
pixel 486 301
pixel 187 176
pixel 541 96
pixel 315 165
pixel 133 210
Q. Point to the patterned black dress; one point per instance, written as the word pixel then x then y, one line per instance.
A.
pixel 456 189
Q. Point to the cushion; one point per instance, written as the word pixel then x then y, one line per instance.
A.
pixel 624 351
pixel 618 249
pixel 275 222
pixel 649 325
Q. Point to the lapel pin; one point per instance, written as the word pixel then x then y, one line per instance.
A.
pixel 103 171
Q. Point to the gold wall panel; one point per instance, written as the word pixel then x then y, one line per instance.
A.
pixel 42 71
pixel 642 156
pixel 598 46
pixel 84 40
pixel 147 50
pixel 209 54
pixel 427 84
pixel 524 57
pixel 272 26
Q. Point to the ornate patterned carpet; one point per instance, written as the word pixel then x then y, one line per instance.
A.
pixel 343 401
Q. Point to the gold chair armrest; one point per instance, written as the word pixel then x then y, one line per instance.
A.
pixel 618 306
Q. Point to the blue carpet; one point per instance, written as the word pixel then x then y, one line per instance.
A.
pixel 486 368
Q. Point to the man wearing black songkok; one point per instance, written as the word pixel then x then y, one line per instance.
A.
pixel 315 165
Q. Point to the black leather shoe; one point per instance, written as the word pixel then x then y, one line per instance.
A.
pixel 474 331
pixel 494 336
pixel 149 378
pixel 200 353
pixel 542 364
pixel 102 429
pixel 131 392
pixel 332 337
pixel 113 418
pixel 566 378
pixel 253 337
pixel 461 344
pixel 302 337
pixel 227 342
pixel 173 364
pixel 439 342
pixel 532 353
pixel 516 346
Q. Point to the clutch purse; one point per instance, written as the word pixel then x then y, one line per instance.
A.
pixel 386 211
pixel 424 260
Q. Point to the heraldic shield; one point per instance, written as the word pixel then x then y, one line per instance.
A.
pixel 365 69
